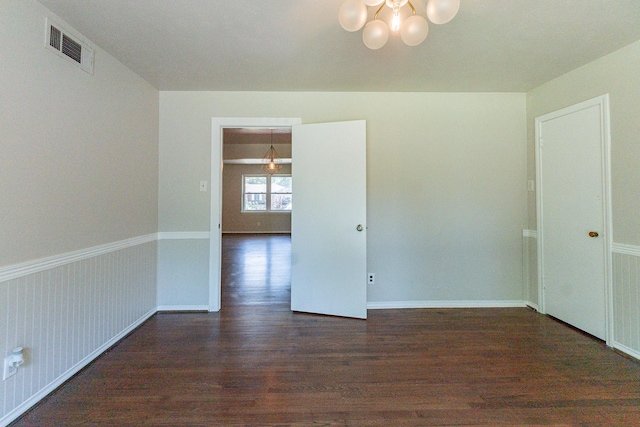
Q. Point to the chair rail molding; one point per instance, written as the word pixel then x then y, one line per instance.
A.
pixel 621 248
pixel 30 267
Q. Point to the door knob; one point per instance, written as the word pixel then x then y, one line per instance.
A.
pixel 359 227
pixel 593 234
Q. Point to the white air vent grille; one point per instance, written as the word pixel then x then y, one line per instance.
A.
pixel 72 49
pixel 55 38
pixel 69 46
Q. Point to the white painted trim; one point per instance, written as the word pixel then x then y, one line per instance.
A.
pixel 183 308
pixel 532 305
pixel 623 348
pixel 530 233
pixel 621 248
pixel 27 404
pixel 382 305
pixel 215 223
pixel 183 235
pixel 23 269
pixel 603 103
pixel 608 215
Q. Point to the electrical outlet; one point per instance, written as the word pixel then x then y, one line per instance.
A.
pixel 9 369
pixel 371 278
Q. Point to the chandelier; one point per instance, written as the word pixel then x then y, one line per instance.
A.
pixel 353 16
pixel 271 163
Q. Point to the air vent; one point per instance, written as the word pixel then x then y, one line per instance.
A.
pixel 72 49
pixel 68 46
pixel 55 38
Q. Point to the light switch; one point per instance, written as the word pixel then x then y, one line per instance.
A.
pixel 203 185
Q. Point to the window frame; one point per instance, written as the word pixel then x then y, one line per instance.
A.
pixel 268 193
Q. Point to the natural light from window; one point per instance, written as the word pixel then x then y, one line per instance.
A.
pixel 266 193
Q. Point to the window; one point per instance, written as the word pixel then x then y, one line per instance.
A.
pixel 271 193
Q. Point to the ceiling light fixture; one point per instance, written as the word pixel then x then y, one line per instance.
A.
pixel 353 16
pixel 271 163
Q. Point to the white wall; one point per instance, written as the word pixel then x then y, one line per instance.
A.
pixel 616 74
pixel 79 152
pixel 446 183
pixel 78 197
pixel 182 262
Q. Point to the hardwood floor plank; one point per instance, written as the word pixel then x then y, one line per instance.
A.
pixel 255 363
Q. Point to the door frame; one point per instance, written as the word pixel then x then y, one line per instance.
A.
pixel 218 124
pixel 605 154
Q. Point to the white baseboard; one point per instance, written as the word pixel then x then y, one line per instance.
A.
pixel 183 308
pixel 381 305
pixel 532 305
pixel 623 348
pixel 27 404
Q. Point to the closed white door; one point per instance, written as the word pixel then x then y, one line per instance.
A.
pixel 328 219
pixel 573 216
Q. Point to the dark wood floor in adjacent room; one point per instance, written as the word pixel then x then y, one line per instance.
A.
pixel 257 364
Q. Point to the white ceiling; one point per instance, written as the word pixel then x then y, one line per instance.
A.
pixel 298 45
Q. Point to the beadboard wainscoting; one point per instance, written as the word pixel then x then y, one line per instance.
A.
pixel 66 310
pixel 626 298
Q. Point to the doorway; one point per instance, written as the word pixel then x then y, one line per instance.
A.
pixel 328 229
pixel 219 124
pixel 574 219
pixel 256 217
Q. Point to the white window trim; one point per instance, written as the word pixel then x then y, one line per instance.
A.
pixel 268 193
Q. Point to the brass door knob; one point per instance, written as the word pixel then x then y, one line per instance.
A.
pixel 593 234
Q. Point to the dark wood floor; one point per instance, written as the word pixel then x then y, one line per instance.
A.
pixel 256 363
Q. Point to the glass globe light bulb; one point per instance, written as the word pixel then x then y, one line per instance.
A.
pixel 375 34
pixel 442 11
pixel 414 30
pixel 352 15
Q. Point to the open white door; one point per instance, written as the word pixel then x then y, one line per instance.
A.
pixel 328 220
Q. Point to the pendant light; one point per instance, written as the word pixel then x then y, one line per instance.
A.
pixel 271 162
